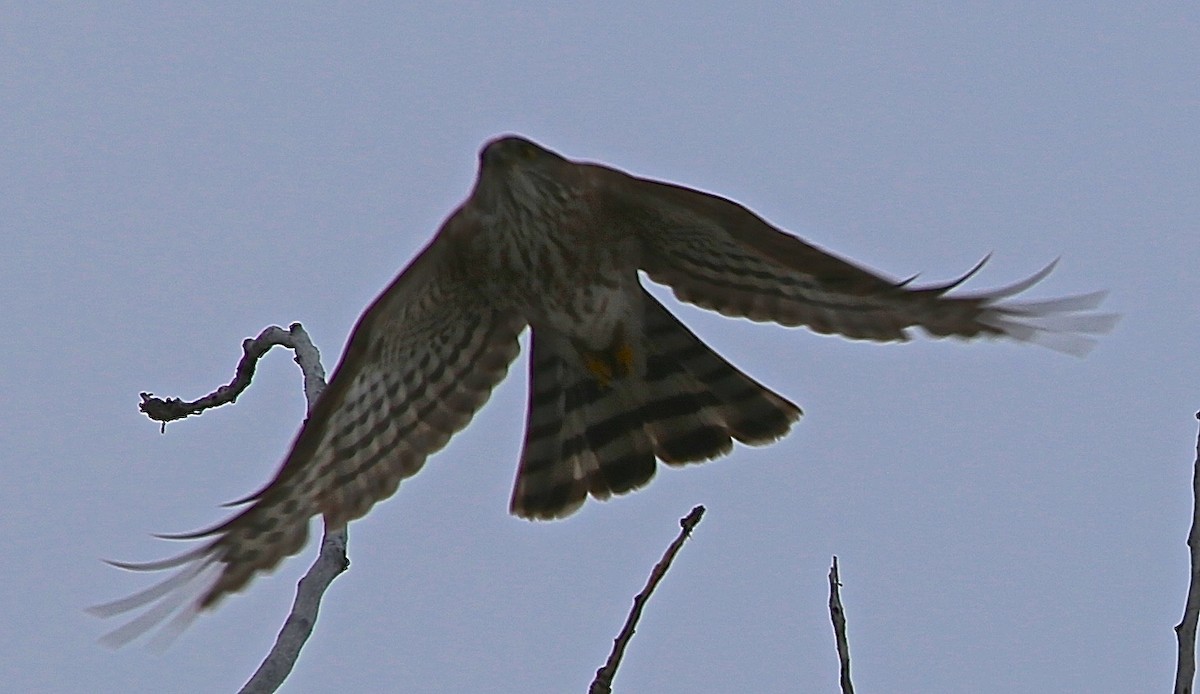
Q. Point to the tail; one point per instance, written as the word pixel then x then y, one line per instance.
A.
pixel 583 438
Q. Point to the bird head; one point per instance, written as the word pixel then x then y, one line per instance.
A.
pixel 513 169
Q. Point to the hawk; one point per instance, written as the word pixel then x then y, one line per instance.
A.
pixel 616 382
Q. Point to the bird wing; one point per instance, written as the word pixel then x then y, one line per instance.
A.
pixel 719 255
pixel 423 358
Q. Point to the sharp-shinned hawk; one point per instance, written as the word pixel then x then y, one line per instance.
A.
pixel 616 382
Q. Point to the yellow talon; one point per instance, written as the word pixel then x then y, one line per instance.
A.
pixel 595 363
pixel 614 362
pixel 624 355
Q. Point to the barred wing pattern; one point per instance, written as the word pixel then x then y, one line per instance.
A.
pixel 721 256
pixel 421 361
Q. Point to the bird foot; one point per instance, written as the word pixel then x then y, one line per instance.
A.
pixel 608 364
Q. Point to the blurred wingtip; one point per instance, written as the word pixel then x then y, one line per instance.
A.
pixel 1022 285
pixel 939 289
pixel 175 600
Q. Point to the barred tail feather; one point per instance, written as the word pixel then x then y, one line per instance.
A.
pixel 751 413
pixel 583 438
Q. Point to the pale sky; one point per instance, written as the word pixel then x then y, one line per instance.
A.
pixel 1008 519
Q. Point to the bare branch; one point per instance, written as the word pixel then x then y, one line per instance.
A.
pixel 838 615
pixel 278 664
pixel 1185 631
pixel 604 676
pixel 332 559
pixel 253 349
pixel 309 360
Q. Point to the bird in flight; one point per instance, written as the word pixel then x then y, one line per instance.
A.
pixel 616 382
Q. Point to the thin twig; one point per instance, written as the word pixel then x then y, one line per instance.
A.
pixel 604 676
pixel 838 615
pixel 253 349
pixel 1185 631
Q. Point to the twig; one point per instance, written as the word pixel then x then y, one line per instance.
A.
pixel 1185 631
pixel 253 349
pixel 838 615
pixel 604 676
pixel 278 664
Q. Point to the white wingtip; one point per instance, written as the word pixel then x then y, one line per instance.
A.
pixel 176 595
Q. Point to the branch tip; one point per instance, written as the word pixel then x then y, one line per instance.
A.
pixel 602 684
pixel 837 615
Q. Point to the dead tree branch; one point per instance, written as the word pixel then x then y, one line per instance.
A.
pixel 253 349
pixel 332 560
pixel 1185 631
pixel 604 676
pixel 838 615
pixel 278 664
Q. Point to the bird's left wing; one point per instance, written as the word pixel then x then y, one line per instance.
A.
pixel 422 359
pixel 719 255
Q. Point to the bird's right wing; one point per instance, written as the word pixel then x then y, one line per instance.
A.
pixel 421 361
pixel 717 254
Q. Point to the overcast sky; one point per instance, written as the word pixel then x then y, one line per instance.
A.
pixel 1008 519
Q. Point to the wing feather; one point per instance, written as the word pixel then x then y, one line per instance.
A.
pixel 721 256
pixel 421 361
